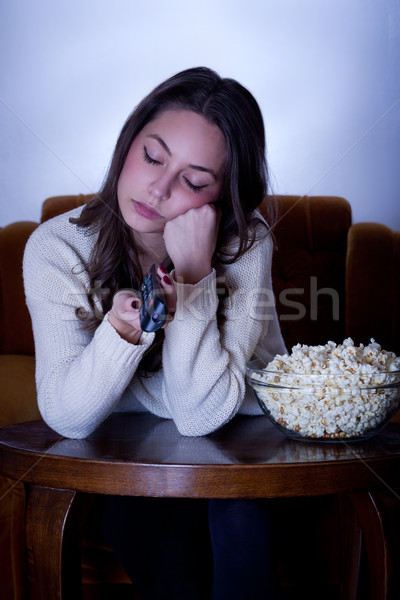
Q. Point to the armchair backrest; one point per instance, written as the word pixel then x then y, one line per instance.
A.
pixel 56 205
pixel 373 285
pixel 308 270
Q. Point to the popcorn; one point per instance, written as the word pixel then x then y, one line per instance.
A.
pixel 331 391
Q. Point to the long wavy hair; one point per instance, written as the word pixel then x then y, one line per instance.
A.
pixel 223 102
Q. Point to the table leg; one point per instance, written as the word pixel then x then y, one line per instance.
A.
pixel 53 527
pixel 378 513
pixel 351 539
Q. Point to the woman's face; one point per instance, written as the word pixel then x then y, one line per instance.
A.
pixel 175 163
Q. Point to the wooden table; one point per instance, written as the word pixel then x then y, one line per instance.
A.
pixel 142 455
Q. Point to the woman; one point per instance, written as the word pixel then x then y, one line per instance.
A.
pixel 187 174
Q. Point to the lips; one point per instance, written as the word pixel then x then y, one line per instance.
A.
pixel 146 211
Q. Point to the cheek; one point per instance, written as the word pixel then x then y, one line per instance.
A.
pixel 205 198
pixel 132 159
pixel 201 202
pixel 188 200
pixel 132 170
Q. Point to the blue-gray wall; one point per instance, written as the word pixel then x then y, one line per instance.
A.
pixel 325 72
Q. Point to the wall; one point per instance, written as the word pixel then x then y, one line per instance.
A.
pixel 326 74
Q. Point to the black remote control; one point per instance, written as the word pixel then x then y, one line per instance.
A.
pixel 153 311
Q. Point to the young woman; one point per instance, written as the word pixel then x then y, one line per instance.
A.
pixel 187 175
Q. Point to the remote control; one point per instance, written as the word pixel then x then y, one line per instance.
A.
pixel 153 311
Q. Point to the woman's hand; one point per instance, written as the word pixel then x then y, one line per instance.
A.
pixel 190 241
pixel 124 315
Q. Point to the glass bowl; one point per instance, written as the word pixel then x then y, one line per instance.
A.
pixel 318 408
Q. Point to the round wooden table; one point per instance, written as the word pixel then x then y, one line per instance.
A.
pixel 142 455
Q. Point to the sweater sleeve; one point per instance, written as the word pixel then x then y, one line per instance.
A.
pixel 80 377
pixel 205 352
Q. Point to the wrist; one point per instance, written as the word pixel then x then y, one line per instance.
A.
pixel 124 330
pixel 191 275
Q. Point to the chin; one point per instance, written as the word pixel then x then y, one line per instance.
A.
pixel 144 226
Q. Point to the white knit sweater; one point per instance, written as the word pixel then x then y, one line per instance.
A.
pixel 81 378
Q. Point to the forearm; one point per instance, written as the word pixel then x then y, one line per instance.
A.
pixel 204 384
pixel 80 386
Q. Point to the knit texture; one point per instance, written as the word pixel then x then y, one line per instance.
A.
pixel 82 377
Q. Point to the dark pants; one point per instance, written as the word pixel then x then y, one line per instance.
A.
pixel 175 549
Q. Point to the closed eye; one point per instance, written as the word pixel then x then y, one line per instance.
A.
pixel 195 188
pixel 147 158
pixel 152 161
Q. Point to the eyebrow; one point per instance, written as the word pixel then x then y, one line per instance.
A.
pixel 168 151
pixel 161 142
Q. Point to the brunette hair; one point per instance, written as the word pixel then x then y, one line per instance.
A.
pixel 222 102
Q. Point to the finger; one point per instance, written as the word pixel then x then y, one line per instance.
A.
pixel 161 271
pixel 130 302
pixel 169 292
pixel 218 210
pixel 127 304
pixel 136 303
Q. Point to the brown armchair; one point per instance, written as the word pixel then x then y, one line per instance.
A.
pixel 331 280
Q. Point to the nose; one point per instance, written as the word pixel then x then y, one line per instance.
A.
pixel 161 188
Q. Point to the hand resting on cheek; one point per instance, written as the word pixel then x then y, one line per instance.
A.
pixel 190 240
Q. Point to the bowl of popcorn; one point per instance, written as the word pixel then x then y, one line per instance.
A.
pixel 330 392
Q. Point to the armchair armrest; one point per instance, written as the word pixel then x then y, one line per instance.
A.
pixel 15 323
pixel 373 285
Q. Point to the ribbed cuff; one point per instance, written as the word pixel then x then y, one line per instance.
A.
pixel 118 349
pixel 198 300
